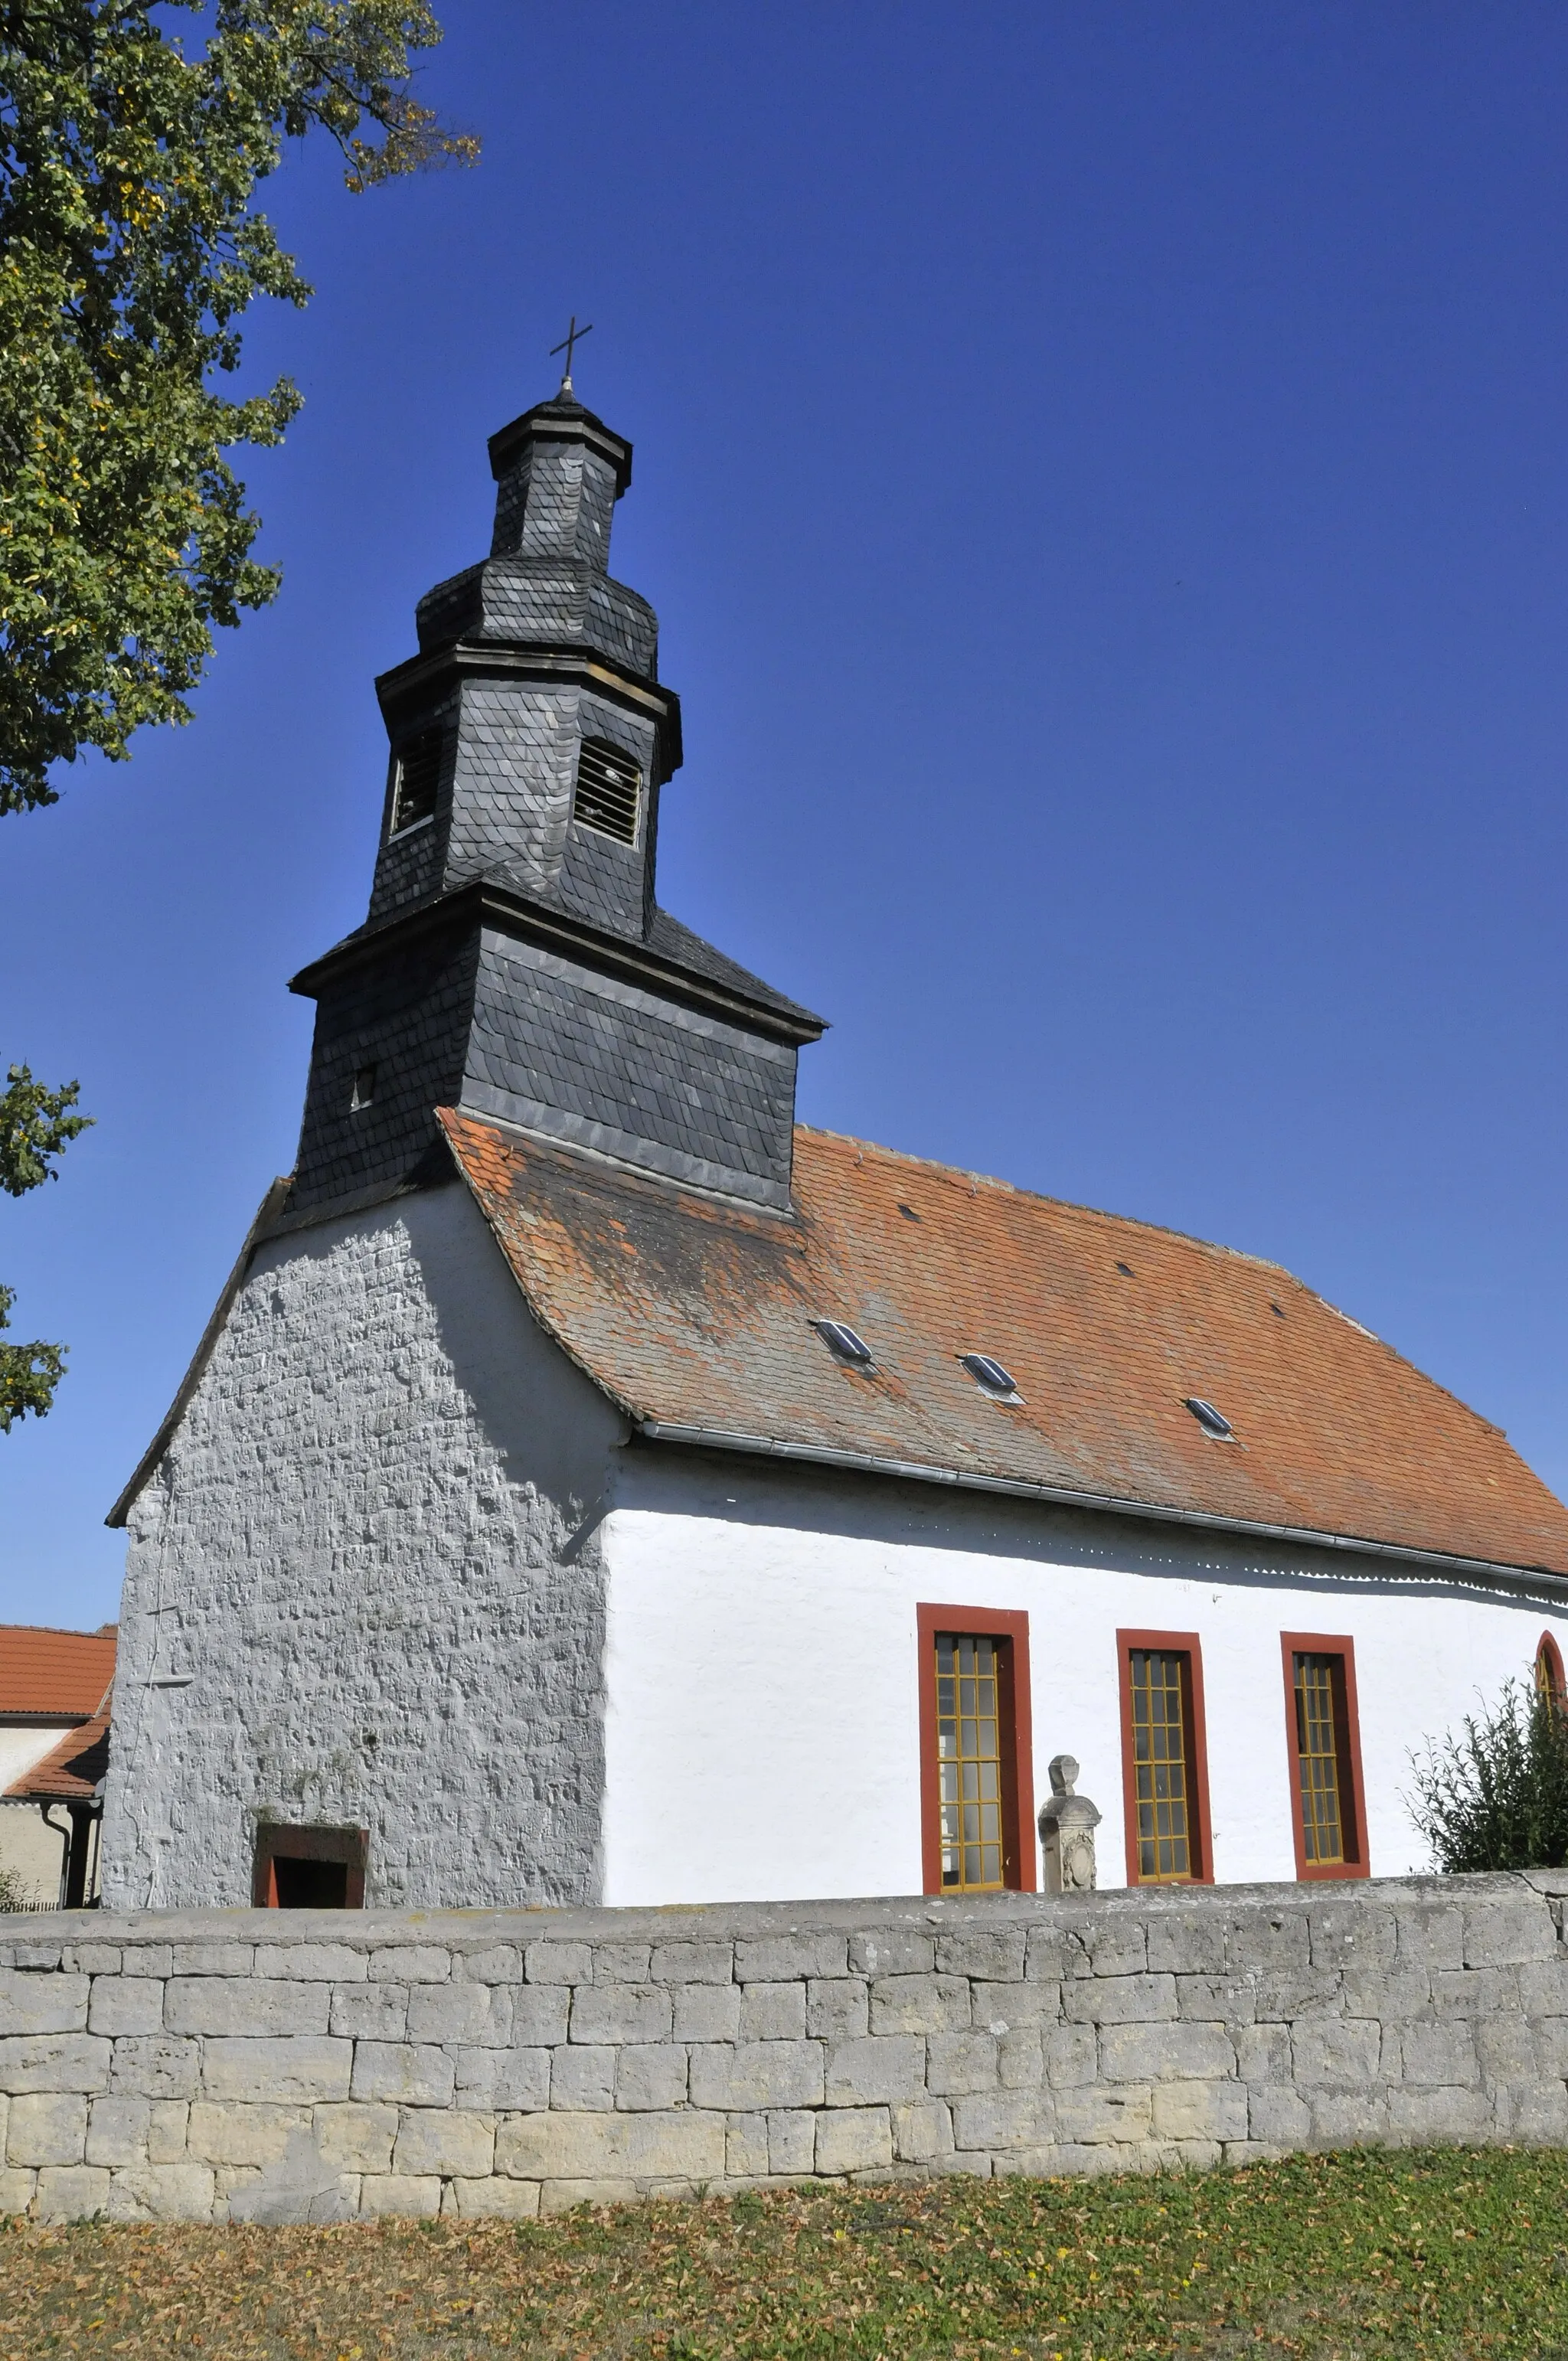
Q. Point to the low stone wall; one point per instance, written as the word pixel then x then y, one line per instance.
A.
pixel 248 2065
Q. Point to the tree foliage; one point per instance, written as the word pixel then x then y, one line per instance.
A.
pixel 36 1125
pixel 128 250
pixel 1495 1794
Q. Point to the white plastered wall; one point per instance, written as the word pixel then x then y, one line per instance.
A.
pixel 761 1733
pixel 30 1852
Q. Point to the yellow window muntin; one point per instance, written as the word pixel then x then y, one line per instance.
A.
pixel 968 1763
pixel 1317 1756
pixel 1161 1772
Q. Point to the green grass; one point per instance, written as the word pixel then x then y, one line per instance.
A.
pixel 1454 2254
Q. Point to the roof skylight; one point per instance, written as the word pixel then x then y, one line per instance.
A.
pixel 990 1376
pixel 844 1343
pixel 1213 1422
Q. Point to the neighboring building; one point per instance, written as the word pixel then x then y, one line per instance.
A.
pixel 54 1697
pixel 593 1486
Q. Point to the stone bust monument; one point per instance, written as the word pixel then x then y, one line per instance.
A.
pixel 1067 1823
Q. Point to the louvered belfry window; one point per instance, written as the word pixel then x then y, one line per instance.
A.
pixel 609 791
pixel 418 778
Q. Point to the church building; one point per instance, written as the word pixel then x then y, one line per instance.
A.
pixel 594 1486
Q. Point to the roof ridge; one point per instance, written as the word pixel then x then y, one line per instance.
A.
pixel 59 1631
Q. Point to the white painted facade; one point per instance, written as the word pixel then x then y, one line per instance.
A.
pixel 30 1852
pixel 410 1574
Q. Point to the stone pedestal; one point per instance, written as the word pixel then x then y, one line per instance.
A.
pixel 1067 1823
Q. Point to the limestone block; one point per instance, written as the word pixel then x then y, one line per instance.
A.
pixel 1543 1987
pixel 244 2005
pixel 1045 1960
pixel 92 1960
pixel 242 2132
pixel 320 1963
pixel 1330 2050
pixel 583 2080
pixel 773 2012
pixel 126 2005
pixel 922 2132
pixel 958 2063
pixel 1165 2053
pixel 620 2013
pixel 46 2127
pixel 1534 2114
pixel 116 2131
pixel 139 1958
pixel 1004 2119
pixel 692 1963
pixel 559 1963
pixel 446 2140
pixel 54 2061
pixel 1428 1934
pixel 868 2070
pixel 1089 2117
pixel 1229 1999
pixel 372 2011
pixel 1264 1937
pixel 1443 2053
pixel 920 2005
pixel 17 2190
pixel 223 1959
pixel 707 2011
pixel 1348 2118
pixel 837 2007
pixel 893 1951
pixel 853 2139
pixel 1111 1945
pixel 756 2074
pixel 501 2078
pixel 995 1957
pixel 1129 1999
pixel 416 2074
pixel 397 2197
pixel 1073 2056
pixel 562 2196
pixel 1358 1938
pixel 651 2078
pixel 1476 1992
pixel 1020 2058
pixel 411 1963
pixel 162 2192
pixel 499 1964
pixel 539 2015
pixel 39 1957
pixel 1185 1942
pixel 477 2015
pixel 308 2066
pixel 1506 2049
pixel 779 1958
pixel 1430 2114
pixel 42 2004
pixel 1552 2036
pixel 792 2140
pixel 154 2066
pixel 355 2139
pixel 494 2200
pixel 1277 2114
pixel 746 2147
pixel 552 2146
pixel 71 2193
pixel 301 2187
pixel 1034 2002
pixel 1503 1932
pixel 1392 1996
pixel 166 2129
pixel 620 1963
pixel 1200 2111
pixel 1263 2053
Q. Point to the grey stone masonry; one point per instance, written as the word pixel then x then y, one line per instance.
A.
pixel 246 2065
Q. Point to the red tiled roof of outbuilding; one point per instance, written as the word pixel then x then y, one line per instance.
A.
pixel 53 1675
pixel 70 1771
pixel 694 1313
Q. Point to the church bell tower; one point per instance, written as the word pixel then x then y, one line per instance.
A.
pixel 515 962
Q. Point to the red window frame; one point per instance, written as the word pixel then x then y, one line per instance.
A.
pixel 275 1841
pixel 1011 1633
pixel 1199 1851
pixel 1549 1654
pixel 1347 1733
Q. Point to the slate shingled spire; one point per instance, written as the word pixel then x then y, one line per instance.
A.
pixel 515 960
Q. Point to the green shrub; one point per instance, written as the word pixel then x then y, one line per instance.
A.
pixel 14 1894
pixel 1495 1794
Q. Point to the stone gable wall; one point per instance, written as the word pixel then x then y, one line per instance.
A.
pixel 248 2065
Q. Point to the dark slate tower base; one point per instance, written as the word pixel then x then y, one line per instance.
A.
pixel 515 962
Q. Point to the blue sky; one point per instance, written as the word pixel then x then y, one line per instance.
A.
pixel 1104 476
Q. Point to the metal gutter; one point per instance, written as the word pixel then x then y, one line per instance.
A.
pixel 1480 1569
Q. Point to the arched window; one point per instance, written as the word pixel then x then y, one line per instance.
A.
pixel 1548 1670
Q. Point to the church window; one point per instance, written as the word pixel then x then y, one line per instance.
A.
pixel 416 780
pixel 1164 1759
pixel 1324 1748
pixel 977 1801
pixel 1548 1670
pixel 363 1088
pixel 990 1376
pixel 1211 1421
pixel 309 1868
pixel 844 1343
pixel 609 791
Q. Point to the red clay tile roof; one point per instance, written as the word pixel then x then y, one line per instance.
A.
pixel 694 1314
pixel 52 1676
pixel 70 1772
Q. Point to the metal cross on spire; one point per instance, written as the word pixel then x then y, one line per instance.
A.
pixel 573 335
